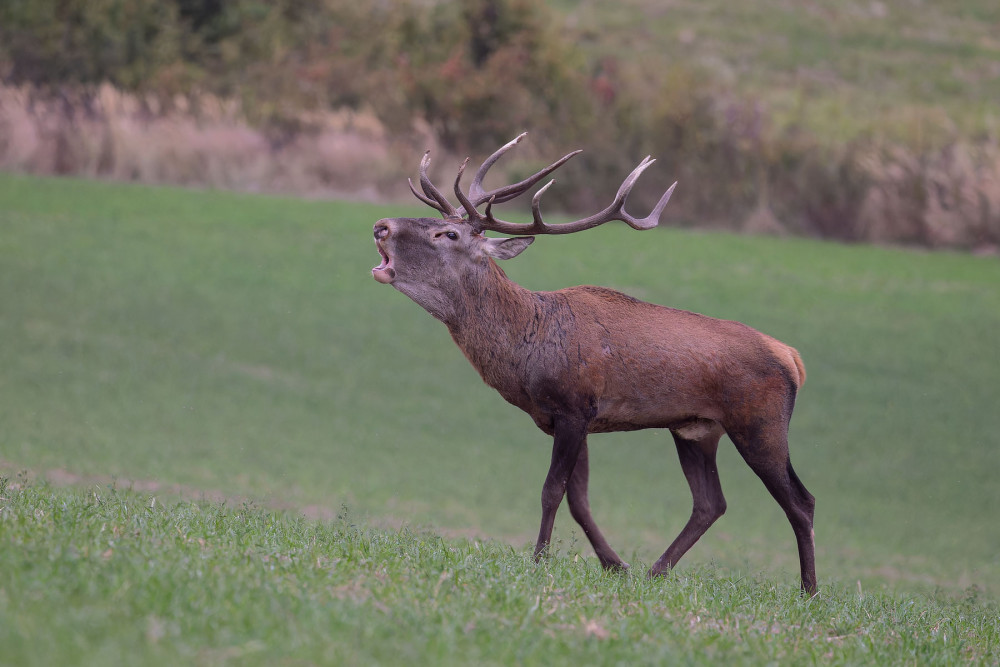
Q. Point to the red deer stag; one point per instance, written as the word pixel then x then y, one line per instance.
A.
pixel 588 359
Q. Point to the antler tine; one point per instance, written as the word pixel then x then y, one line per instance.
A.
pixel 618 205
pixel 615 211
pixel 536 208
pixel 462 199
pixel 509 192
pixel 434 198
pixel 430 202
pixel 476 189
pixel 497 154
pixel 653 219
pixel 476 193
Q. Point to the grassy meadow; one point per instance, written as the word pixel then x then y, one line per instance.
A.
pixel 889 69
pixel 104 576
pixel 196 346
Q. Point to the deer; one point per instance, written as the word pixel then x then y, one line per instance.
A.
pixel 586 360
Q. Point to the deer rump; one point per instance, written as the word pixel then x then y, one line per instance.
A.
pixel 589 359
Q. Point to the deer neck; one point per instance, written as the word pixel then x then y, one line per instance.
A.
pixel 496 312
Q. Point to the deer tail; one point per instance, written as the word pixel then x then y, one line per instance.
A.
pixel 790 359
pixel 799 367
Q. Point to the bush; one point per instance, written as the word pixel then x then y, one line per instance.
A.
pixel 57 42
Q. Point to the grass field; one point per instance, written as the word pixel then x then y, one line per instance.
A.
pixel 203 344
pixel 117 578
pixel 912 72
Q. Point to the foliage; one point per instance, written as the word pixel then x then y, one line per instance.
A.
pixel 453 64
pixel 55 42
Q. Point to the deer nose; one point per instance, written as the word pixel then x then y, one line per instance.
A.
pixel 381 230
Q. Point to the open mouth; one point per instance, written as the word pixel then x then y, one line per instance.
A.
pixel 383 273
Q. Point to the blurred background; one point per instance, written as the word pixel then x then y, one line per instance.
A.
pixel 226 340
pixel 862 120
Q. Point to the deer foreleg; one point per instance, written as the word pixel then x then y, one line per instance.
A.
pixel 570 437
pixel 579 507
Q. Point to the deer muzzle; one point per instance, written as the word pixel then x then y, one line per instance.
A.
pixel 383 273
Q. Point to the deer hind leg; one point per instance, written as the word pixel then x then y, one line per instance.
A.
pixel 697 458
pixel 579 507
pixel 766 452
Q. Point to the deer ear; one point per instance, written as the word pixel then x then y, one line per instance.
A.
pixel 508 247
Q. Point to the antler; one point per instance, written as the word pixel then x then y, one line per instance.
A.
pixel 433 197
pixel 487 221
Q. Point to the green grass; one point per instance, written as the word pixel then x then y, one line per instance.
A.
pixel 120 578
pixel 236 346
pixel 904 71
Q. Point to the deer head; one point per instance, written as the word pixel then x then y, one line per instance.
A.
pixel 435 261
pixel 431 260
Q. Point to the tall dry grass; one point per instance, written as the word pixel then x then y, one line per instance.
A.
pixel 198 140
pixel 948 197
pixel 753 179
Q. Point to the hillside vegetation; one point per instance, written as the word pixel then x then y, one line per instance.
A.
pixel 852 120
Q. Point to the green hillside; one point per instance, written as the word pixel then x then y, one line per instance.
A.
pixel 227 345
pixel 912 72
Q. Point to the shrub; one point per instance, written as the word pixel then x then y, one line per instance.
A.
pixel 56 42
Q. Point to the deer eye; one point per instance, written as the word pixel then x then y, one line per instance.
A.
pixel 453 236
